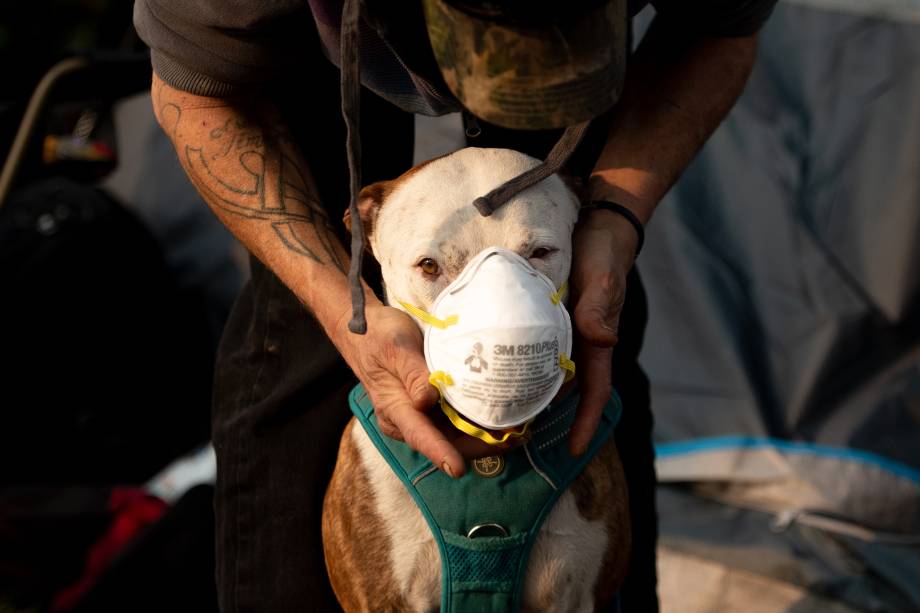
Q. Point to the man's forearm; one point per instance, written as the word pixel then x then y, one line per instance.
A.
pixel 242 160
pixel 677 92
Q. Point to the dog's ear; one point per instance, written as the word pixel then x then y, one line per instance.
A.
pixel 575 183
pixel 370 199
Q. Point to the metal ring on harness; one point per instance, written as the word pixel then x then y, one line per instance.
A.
pixel 475 529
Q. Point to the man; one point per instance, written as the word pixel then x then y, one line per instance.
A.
pixel 253 112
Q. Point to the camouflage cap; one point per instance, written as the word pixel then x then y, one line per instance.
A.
pixel 526 75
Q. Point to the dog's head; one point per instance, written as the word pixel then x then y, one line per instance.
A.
pixel 423 228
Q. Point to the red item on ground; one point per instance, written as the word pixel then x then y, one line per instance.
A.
pixel 132 510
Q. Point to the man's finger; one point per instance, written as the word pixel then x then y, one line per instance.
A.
pixel 387 427
pixel 595 389
pixel 597 315
pixel 421 435
pixel 413 371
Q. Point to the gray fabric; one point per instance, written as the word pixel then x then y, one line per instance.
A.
pixel 783 274
pixel 900 10
pixel 223 47
pixel 784 269
pixel 867 576
pixel 216 47
pixel 778 480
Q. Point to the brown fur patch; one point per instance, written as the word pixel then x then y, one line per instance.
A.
pixel 574 183
pixel 356 547
pixel 600 492
pixel 371 199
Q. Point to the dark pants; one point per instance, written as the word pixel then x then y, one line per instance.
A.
pixel 280 399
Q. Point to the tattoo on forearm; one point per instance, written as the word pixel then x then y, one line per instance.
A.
pixel 274 195
pixel 235 135
pixel 248 171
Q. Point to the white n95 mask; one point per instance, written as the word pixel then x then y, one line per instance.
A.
pixel 497 343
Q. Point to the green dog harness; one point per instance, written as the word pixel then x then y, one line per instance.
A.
pixel 486 522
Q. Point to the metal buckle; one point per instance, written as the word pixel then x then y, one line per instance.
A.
pixel 479 527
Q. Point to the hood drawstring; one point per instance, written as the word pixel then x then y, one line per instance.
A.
pixel 351 97
pixel 559 155
pixel 486 205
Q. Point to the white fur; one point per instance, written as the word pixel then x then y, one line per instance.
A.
pixel 414 555
pixel 430 214
pixel 565 561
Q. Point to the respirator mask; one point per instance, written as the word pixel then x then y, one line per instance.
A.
pixel 498 342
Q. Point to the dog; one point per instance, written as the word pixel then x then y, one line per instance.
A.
pixel 380 553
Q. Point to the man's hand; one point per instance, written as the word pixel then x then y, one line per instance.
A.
pixel 604 249
pixel 389 362
pixel 678 88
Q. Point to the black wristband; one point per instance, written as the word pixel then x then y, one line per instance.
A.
pixel 626 213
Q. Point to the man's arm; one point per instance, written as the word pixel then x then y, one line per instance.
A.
pixel 242 159
pixel 677 91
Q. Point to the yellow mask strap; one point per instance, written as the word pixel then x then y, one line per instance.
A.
pixel 439 378
pixel 568 366
pixel 564 362
pixel 428 318
pixel 559 294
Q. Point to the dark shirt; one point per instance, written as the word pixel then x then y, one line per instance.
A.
pixel 224 47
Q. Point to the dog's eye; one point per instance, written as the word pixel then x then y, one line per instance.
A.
pixel 541 252
pixel 429 266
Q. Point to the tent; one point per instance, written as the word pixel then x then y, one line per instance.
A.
pixel 783 274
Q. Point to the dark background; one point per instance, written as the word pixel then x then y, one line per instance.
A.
pixel 107 355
